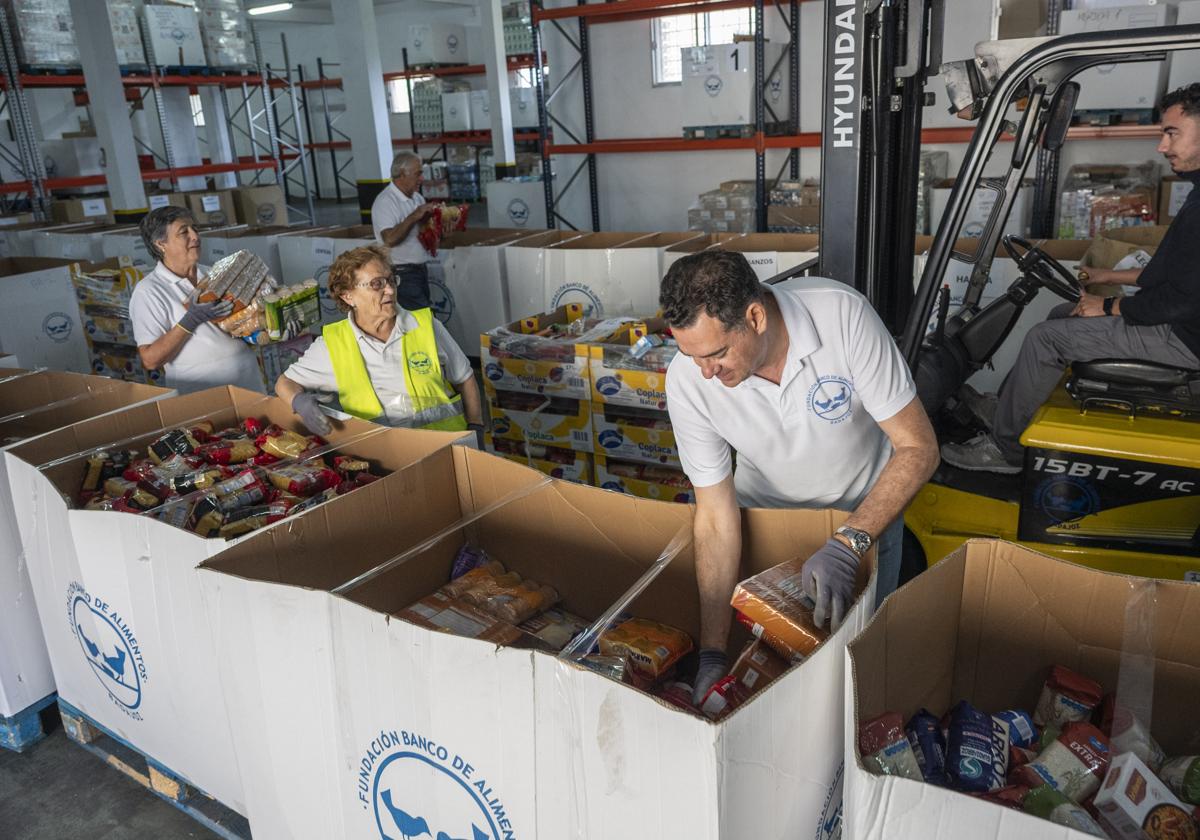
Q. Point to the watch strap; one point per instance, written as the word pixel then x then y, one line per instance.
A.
pixel 1108 305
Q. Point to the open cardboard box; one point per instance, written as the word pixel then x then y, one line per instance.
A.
pixel 263 242
pixel 307 254
pixel 517 742
pixel 703 242
pixel 985 625
pixel 32 404
pixel 525 268
pixel 133 578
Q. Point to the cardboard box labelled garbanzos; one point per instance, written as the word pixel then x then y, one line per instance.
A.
pixel 1068 698
pixel 437 703
pixel 120 608
pixel 32 404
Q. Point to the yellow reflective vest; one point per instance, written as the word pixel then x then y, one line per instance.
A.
pixel 435 403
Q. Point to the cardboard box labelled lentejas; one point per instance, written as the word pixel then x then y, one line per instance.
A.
pixel 525 269
pixel 308 254
pixel 1003 273
pixel 120 607
pixel 39 320
pixel 32 404
pixel 260 206
pixel 408 728
pixel 611 274
pixel 471 294
pixel 985 625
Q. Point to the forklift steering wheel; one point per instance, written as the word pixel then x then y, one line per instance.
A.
pixel 1049 272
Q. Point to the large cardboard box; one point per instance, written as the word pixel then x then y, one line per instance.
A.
pixel 1138 84
pixel 172 199
pixel 773 253
pixel 174 33
pixel 39 320
pixel 401 722
pixel 127 242
pixel 437 43
pixel 980 209
pixel 97 209
pixel 456 111
pixel 127 583
pixel 20 240
pixel 32 404
pixel 308 254
pixel 516 204
pixel 471 294
pixel 1171 195
pixel 1185 65
pixel 542 421
pixel 262 206
pixel 84 242
pixel 673 253
pixel 985 625
pixel 718 84
pixel 212 207
pixel 525 268
pixel 261 241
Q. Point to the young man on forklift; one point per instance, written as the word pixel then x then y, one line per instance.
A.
pixel 1160 323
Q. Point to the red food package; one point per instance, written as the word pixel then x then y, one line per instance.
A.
pixel 725 696
pixel 364 478
pixel 1012 796
pixel 1073 764
pixel 263 459
pixel 1066 697
pixel 236 451
pixel 885 749
pixel 252 426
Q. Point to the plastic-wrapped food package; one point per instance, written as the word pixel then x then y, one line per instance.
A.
pixel 775 601
pixel 924 734
pixel 650 649
pixel 1074 763
pixel 444 219
pixel 885 748
pixel 555 627
pixel 1182 775
pixel 1066 696
pixel 442 612
pixel 757 666
pixel 1052 805
pixel 1096 197
pixel 976 750
pixel 241 277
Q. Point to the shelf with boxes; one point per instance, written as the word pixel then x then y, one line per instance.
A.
pixel 584 399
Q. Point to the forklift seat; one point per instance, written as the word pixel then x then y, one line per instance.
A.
pixel 1135 386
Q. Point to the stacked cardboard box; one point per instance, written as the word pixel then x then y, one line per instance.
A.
pixel 728 209
pixel 518 36
pixel 795 207
pixel 225 33
pixel 104 291
pixel 45 33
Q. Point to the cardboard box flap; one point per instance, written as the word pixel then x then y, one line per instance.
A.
pixel 13 266
pixel 661 240
pixel 40 402
pixel 546 239
pixel 598 241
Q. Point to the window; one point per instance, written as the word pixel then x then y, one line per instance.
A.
pixel 197 110
pixel 668 35
pixel 397 92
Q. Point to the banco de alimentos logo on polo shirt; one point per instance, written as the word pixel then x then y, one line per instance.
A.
pixel 831 398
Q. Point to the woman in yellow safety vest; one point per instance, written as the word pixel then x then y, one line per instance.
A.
pixel 386 364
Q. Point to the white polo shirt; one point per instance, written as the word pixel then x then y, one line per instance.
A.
pixel 385 366
pixel 390 208
pixel 207 359
pixel 813 440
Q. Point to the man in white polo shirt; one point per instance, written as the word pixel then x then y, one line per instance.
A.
pixel 172 329
pixel 395 216
pixel 804 382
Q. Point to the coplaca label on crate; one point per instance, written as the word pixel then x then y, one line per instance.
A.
pixel 415 786
pixel 109 646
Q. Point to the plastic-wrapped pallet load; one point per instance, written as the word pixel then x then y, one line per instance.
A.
pixel 32 404
pixel 1096 197
pixel 124 619
pixel 330 628
pixel 174 35
pixel 436 43
pixel 225 33
pixel 1066 686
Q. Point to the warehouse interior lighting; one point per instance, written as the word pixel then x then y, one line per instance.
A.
pixel 266 10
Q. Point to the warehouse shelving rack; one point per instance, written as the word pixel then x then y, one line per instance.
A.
pixel 269 149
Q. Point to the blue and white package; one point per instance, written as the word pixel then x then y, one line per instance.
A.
pixel 977 750
pixel 1022 732
pixel 925 736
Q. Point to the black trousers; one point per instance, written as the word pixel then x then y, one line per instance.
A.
pixel 412 285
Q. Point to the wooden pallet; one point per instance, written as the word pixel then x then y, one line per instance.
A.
pixel 24 729
pixel 150 774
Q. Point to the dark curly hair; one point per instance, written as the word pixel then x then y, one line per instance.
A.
pixel 1187 96
pixel 720 284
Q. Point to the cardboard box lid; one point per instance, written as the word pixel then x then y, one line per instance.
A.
pixel 986 623
pixel 484 236
pixel 247 230
pixel 79 397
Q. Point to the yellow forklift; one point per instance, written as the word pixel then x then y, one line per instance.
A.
pixel 1112 461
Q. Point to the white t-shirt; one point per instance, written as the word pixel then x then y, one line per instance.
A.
pixel 813 440
pixel 385 366
pixel 391 207
pixel 210 357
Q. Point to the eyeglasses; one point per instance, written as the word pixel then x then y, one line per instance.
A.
pixel 375 284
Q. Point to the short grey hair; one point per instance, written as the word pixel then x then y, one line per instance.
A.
pixel 154 225
pixel 403 161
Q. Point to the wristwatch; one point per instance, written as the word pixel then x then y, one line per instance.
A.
pixel 1108 305
pixel 860 541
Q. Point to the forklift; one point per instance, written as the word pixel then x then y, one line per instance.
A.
pixel 1111 478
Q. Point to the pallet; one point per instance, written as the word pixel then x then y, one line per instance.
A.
pixel 153 776
pixel 1114 116
pixel 134 69
pixel 435 66
pixel 50 70
pixel 24 729
pixel 201 70
pixel 716 132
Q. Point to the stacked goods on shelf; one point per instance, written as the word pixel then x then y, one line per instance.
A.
pixel 795 207
pixel 104 295
pixel 225 33
pixel 634 445
pixel 727 209
pixel 1067 699
pixel 436 43
pixel 718 87
pixel 174 35
pixel 427 106
pixel 934 167
pixel 518 36
pixel 307 254
pixel 45 33
pixel 464 181
pixel 1096 197
pixel 456 111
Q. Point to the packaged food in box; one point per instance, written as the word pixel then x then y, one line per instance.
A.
pixel 775 601
pixel 648 481
pixel 1097 197
pixel 630 367
pixel 633 434
pixel 1134 803
pixel 541 419
pixel 555 462
pixel 121 361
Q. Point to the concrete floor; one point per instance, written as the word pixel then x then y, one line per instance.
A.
pixel 59 791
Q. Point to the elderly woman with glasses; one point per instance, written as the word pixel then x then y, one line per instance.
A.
pixel 387 364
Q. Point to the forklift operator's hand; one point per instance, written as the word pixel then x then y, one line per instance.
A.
pixel 1089 306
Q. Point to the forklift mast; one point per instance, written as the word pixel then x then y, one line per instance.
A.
pixel 878 56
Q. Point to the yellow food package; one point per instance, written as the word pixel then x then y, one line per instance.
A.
pixel 648 647
pixel 287 445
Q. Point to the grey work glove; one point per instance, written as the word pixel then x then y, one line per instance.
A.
pixel 713 666
pixel 291 329
pixel 309 410
pixel 201 313
pixel 828 578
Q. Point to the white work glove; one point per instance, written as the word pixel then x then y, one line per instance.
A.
pixel 828 578
pixel 309 410
pixel 713 666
